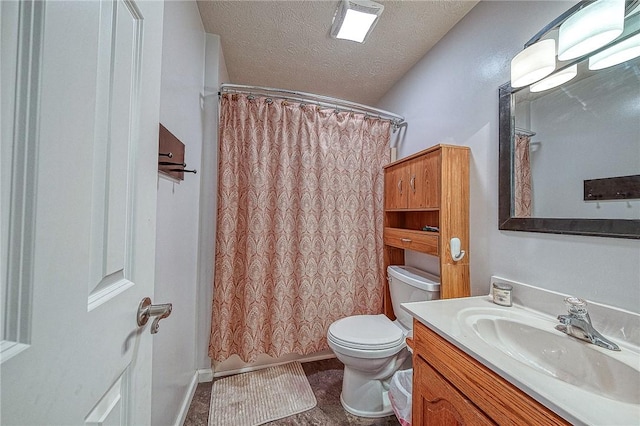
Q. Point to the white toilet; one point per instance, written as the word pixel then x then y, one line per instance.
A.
pixel 372 347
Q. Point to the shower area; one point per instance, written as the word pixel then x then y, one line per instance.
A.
pixel 298 221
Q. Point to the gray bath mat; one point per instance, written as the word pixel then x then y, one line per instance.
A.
pixel 251 399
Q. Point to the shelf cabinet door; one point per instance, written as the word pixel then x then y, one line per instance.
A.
pixel 396 187
pixel 437 402
pixel 424 181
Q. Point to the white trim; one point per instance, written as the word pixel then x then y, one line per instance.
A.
pixel 186 402
pixel 17 280
pixel 107 291
pixel 247 369
pixel 9 349
pixel 205 375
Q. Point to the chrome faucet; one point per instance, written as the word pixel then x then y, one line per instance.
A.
pixel 578 324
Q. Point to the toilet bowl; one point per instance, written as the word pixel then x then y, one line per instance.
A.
pixel 372 347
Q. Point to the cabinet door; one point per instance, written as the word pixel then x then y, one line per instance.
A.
pixel 396 187
pixel 424 181
pixel 437 402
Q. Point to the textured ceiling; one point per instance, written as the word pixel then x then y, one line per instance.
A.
pixel 286 44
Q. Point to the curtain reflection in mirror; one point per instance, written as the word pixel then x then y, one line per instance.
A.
pixel 522 176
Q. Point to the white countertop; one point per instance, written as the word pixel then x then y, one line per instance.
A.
pixel 577 404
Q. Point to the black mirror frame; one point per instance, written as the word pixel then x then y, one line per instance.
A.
pixel 615 228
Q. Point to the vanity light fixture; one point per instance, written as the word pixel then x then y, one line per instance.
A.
pixel 533 63
pixel 616 54
pixel 590 28
pixel 555 79
pixel 354 19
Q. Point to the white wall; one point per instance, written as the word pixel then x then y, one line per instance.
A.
pixel 215 74
pixel 451 96
pixel 178 210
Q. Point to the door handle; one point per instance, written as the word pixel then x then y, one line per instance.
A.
pixel 146 310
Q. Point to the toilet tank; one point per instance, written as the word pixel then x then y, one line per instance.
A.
pixel 408 284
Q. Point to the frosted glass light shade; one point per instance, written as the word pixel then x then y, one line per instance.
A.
pixel 555 79
pixel 356 25
pixel 616 54
pixel 354 19
pixel 590 28
pixel 533 63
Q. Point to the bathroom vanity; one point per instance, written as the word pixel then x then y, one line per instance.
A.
pixel 476 362
pixel 429 190
pixel 450 388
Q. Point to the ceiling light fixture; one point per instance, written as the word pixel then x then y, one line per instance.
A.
pixel 354 19
pixel 555 79
pixel 590 28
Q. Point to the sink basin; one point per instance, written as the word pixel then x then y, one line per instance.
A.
pixel 533 341
pixel 583 383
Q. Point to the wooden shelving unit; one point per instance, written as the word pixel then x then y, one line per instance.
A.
pixel 430 188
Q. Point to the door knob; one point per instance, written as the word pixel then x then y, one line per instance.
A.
pixel 146 310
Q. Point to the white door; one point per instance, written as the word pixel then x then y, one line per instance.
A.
pixel 80 95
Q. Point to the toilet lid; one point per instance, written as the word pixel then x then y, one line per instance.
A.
pixel 366 332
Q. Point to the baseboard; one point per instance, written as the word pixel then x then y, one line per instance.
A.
pixel 188 397
pixel 274 362
pixel 205 375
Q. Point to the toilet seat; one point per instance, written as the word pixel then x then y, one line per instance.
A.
pixel 366 332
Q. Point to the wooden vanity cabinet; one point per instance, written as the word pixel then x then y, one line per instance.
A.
pixel 431 188
pixel 452 388
pixel 439 403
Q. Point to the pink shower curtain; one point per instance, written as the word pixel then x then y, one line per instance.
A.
pixel 522 176
pixel 299 227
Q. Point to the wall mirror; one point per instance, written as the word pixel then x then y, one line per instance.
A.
pixel 569 156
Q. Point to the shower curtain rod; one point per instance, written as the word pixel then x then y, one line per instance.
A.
pixel 525 132
pixel 325 101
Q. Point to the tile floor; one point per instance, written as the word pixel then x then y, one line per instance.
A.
pixel 325 378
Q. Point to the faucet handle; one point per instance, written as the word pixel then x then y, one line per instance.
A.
pixel 576 305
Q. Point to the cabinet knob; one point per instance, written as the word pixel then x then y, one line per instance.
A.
pixel 400 186
pixel 412 182
pixel 405 240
